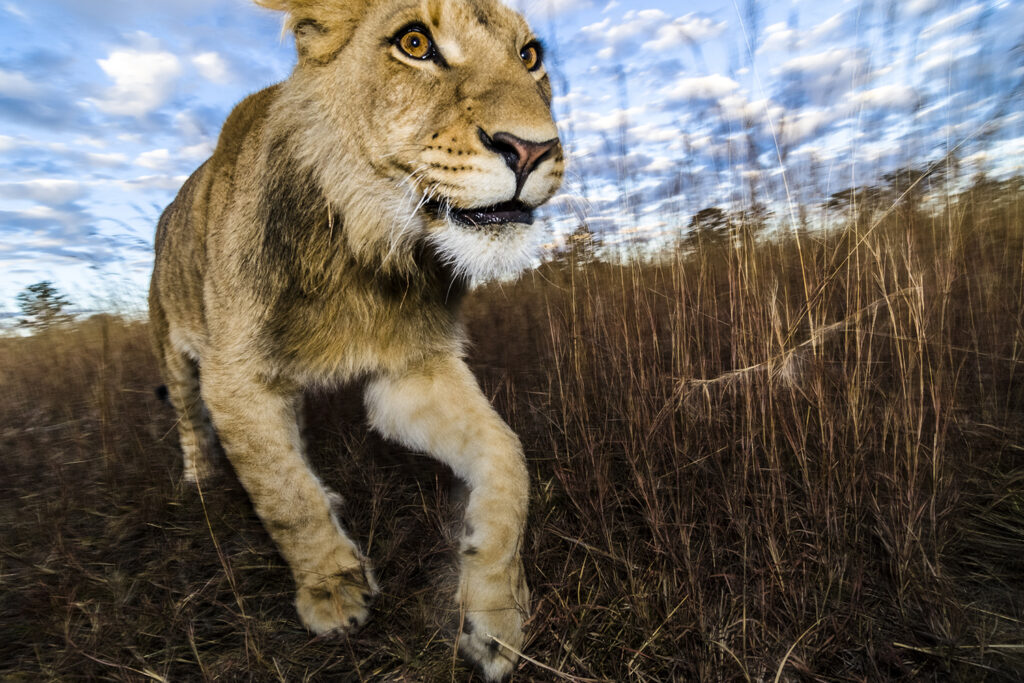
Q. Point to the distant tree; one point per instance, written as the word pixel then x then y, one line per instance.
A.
pixel 583 245
pixel 858 203
pixel 861 198
pixel 907 185
pixel 711 219
pixel 709 227
pixel 907 189
pixel 753 218
pixel 43 306
pixel 988 198
pixel 996 191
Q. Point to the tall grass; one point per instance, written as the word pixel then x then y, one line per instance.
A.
pixel 783 456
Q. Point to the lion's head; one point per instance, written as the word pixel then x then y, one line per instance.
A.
pixel 429 120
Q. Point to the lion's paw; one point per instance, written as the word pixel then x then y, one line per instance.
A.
pixel 201 471
pixel 204 462
pixel 340 603
pixel 495 620
pixel 479 644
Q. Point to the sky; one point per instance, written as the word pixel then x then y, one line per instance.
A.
pixel 666 107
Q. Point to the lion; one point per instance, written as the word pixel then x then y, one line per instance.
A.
pixel 330 237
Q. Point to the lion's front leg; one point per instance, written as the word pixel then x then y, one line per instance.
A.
pixel 260 435
pixel 438 407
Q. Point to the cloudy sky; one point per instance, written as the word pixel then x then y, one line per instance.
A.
pixel 667 107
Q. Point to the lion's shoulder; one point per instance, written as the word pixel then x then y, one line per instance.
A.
pixel 247 115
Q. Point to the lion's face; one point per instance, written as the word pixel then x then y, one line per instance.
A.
pixel 448 102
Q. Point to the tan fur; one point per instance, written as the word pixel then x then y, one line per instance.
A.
pixel 303 252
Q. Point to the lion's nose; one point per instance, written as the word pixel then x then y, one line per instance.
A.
pixel 522 156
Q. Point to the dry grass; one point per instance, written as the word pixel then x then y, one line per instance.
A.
pixel 795 459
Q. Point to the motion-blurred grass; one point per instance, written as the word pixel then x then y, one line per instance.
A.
pixel 773 455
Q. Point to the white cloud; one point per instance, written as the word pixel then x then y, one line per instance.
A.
pixel 571 99
pixel 156 159
pixel 164 159
pixel 548 8
pixel 781 37
pixel 613 119
pixel 916 7
pixel 45 190
pixel 142 81
pixel 807 123
pixel 617 35
pixel 953 21
pixel 69 152
pixel 685 30
pixel 189 126
pixel 701 88
pixel 113 159
pixel 825 29
pixel 154 182
pixel 90 141
pixel 654 134
pixel 939 106
pixel 11 8
pixel 700 142
pixel 945 52
pixel 831 61
pixel 659 164
pixel 42 212
pixel 873 151
pixel 886 96
pixel 14 84
pixel 212 67
pixel 736 107
pixel 199 151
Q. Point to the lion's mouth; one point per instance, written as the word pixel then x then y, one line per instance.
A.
pixel 506 212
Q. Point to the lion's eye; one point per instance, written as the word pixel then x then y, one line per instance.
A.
pixel 531 56
pixel 416 44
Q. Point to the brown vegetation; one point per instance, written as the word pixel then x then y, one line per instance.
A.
pixel 799 457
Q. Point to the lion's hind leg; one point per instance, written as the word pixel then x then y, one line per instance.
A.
pixel 195 432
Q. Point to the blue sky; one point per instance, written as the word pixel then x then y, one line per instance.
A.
pixel 668 107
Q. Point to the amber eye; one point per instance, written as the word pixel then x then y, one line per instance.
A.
pixel 416 44
pixel 531 56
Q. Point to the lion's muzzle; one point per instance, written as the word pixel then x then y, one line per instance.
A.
pixel 522 156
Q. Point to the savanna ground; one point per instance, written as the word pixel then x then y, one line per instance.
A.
pixel 790 455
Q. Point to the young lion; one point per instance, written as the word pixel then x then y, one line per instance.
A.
pixel 331 236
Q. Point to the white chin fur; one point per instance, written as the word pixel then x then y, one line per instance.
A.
pixel 487 253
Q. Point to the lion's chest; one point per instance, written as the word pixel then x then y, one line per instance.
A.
pixel 361 324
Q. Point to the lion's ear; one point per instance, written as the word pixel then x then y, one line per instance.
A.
pixel 321 27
